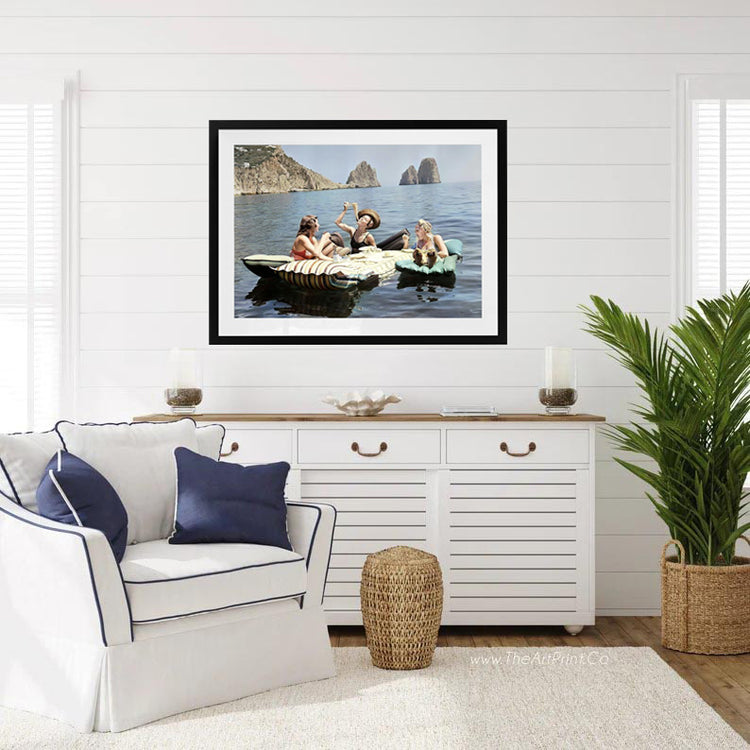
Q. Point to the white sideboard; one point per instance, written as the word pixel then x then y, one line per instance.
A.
pixel 506 503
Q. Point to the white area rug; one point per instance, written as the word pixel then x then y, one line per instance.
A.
pixel 469 698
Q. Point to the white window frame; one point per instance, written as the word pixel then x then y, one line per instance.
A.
pixel 22 87
pixel 690 88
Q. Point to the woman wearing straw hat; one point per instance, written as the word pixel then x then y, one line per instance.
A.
pixel 367 219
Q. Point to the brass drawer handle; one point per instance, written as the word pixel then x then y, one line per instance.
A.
pixel 504 449
pixel 233 448
pixel 383 449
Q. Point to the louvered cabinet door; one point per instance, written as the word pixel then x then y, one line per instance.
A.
pixel 376 508
pixel 517 546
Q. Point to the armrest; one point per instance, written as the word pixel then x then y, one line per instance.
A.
pixel 311 528
pixel 60 579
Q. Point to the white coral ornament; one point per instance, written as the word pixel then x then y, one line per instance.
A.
pixel 356 404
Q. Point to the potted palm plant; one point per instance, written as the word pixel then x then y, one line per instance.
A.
pixel 693 424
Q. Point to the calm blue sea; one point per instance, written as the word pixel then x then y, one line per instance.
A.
pixel 268 224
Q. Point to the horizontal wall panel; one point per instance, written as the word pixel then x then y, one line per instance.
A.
pixel 543 145
pixel 526 257
pixel 144 294
pixel 229 367
pixel 530 294
pixel 633 515
pixel 426 70
pixel 172 182
pixel 396 8
pixel 634 553
pixel 189 293
pixel 588 257
pixel 171 109
pixel 589 220
pixel 144 220
pixel 144 331
pixel 628 591
pixel 614 481
pixel 530 34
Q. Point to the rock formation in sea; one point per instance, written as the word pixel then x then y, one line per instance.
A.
pixel 409 177
pixel 267 169
pixel 428 172
pixel 363 175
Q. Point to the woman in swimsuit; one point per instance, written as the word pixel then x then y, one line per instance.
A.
pixel 367 219
pixel 428 247
pixel 306 246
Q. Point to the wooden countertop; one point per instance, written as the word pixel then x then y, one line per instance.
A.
pixel 383 417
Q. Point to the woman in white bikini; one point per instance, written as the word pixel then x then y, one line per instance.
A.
pixel 428 246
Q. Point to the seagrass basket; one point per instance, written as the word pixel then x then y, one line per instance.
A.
pixel 402 604
pixel 704 608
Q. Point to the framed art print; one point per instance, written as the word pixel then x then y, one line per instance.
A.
pixel 348 232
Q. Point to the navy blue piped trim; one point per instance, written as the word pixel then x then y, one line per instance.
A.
pixel 206 426
pixel 215 573
pixel 88 562
pixel 218 609
pixel 330 549
pixel 17 499
pixel 113 424
pixel 312 540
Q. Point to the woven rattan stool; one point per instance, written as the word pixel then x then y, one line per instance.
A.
pixel 402 603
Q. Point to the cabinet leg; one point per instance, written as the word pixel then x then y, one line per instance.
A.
pixel 573 629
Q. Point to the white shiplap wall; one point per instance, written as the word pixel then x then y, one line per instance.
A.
pixel 587 87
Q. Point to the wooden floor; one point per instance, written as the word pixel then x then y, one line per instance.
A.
pixel 722 681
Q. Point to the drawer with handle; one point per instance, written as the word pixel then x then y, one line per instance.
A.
pixel 367 446
pixel 257 446
pixel 516 447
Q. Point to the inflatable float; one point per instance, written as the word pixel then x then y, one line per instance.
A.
pixel 442 266
pixel 363 269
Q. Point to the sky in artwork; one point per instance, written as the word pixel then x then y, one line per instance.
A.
pixel 455 163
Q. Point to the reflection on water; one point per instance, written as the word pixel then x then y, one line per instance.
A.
pixel 285 300
pixel 268 224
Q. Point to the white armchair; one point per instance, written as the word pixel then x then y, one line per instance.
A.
pixel 77 642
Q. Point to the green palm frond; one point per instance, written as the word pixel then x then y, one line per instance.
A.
pixel 693 421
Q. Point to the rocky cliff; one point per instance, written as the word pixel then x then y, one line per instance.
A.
pixel 267 169
pixel 409 177
pixel 363 175
pixel 428 172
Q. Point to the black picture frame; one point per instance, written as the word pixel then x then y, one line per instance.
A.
pixel 216 337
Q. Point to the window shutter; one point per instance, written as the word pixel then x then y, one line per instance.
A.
pixel 30 265
pixel 721 196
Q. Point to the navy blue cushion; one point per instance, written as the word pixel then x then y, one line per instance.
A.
pixel 73 492
pixel 225 502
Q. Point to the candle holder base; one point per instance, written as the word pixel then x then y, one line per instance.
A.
pixel 558 401
pixel 183 400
